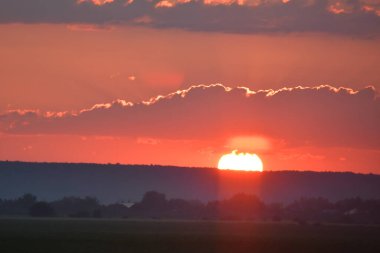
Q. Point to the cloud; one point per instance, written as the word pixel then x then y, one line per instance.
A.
pixel 352 17
pixel 88 28
pixel 95 2
pixel 322 116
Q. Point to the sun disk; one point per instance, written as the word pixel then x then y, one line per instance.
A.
pixel 240 161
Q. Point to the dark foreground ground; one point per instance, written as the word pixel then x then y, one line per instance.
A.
pixel 113 236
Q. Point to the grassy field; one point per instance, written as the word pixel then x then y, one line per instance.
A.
pixel 113 236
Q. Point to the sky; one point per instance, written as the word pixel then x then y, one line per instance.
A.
pixel 183 82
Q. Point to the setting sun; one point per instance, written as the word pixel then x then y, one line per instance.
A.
pixel 240 161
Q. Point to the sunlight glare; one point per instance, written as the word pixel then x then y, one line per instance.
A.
pixel 240 161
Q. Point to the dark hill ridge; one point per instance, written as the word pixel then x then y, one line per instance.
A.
pixel 112 183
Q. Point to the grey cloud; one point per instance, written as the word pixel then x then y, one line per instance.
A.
pixel 301 116
pixel 357 17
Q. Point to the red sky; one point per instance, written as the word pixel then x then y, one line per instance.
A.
pixel 126 87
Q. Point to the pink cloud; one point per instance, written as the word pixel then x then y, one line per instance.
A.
pixel 170 3
pixel 95 2
pixel 323 116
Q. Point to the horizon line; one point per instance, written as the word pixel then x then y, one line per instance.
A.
pixel 185 167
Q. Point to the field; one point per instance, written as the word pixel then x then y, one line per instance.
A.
pixel 113 236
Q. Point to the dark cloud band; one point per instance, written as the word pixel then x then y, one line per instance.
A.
pixel 351 17
pixel 301 116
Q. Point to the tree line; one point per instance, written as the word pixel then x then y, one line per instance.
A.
pixel 155 205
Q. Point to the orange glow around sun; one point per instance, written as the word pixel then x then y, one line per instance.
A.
pixel 240 161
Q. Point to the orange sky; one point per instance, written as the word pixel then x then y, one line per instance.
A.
pixel 77 79
pixel 52 67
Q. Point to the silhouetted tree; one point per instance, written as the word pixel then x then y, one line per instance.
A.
pixel 19 206
pixel 153 205
pixel 115 210
pixel 41 209
pixel 76 207
pixel 27 200
pixel 241 206
pixel 183 209
pixel 153 199
pixel 309 209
